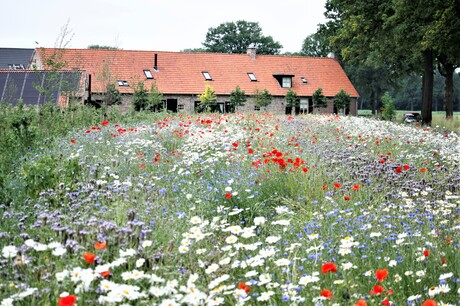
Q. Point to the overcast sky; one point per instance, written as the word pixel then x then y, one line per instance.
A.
pixel 168 25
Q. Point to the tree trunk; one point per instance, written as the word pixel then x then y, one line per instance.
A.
pixel 427 87
pixel 372 101
pixel 449 91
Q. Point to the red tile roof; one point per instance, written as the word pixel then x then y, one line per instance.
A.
pixel 181 72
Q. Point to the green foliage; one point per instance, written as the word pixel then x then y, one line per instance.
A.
pixel 23 129
pixel 47 172
pixel 208 98
pixel 316 44
pixel 237 98
pixel 262 99
pixel 236 37
pixel 292 100
pixel 103 47
pixel 140 97
pixel 388 110
pixel 112 96
pixel 155 98
pixel 319 100
pixel 342 100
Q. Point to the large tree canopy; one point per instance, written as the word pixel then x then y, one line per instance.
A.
pixel 400 35
pixel 236 37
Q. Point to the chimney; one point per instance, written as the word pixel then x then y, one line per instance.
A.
pixel 155 62
pixel 251 51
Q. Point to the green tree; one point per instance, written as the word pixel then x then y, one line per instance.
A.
pixel 443 35
pixel 292 100
pixel 262 99
pixel 341 100
pixel 319 100
pixel 140 97
pixel 155 98
pixel 208 98
pixel 388 110
pixel 236 37
pixel 112 95
pixel 102 47
pixel 237 98
pixel 317 44
pixel 402 35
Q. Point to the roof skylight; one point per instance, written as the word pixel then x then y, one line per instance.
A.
pixel 148 74
pixel 252 76
pixel 207 76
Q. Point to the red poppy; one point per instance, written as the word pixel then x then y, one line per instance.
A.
pixel 377 290
pixel 67 300
pixel 406 167
pixel 423 170
pixel 105 273
pixel 443 260
pixel 386 302
pixel 250 151
pixel 100 245
pixel 104 123
pixel 228 195
pixel 426 253
pixel 381 274
pixel 72 141
pixel 235 144
pixel 243 286
pixel 304 169
pixel 360 303
pixel 337 185
pixel 398 169
pixel 429 303
pixel 89 257
pixel 329 267
pixel 324 187
pixel 356 187
pixel 346 198
pixel 326 293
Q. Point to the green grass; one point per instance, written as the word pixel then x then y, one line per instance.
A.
pixel 439 121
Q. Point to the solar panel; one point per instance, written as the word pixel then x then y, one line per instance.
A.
pixel 23 85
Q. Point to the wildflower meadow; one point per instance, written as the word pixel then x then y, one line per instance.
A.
pixel 235 209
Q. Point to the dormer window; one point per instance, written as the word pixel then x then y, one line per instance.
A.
pixel 285 80
pixel 123 83
pixel 148 74
pixel 252 77
pixel 207 76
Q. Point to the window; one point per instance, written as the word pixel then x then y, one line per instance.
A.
pixel 122 83
pixel 287 82
pixel 206 75
pixel 304 80
pixel 256 108
pixel 180 107
pixel 252 77
pixel 304 104
pixel 148 74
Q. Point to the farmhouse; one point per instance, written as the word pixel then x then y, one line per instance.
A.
pixel 182 76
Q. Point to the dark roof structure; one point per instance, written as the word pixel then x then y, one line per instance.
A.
pixel 23 85
pixel 15 58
